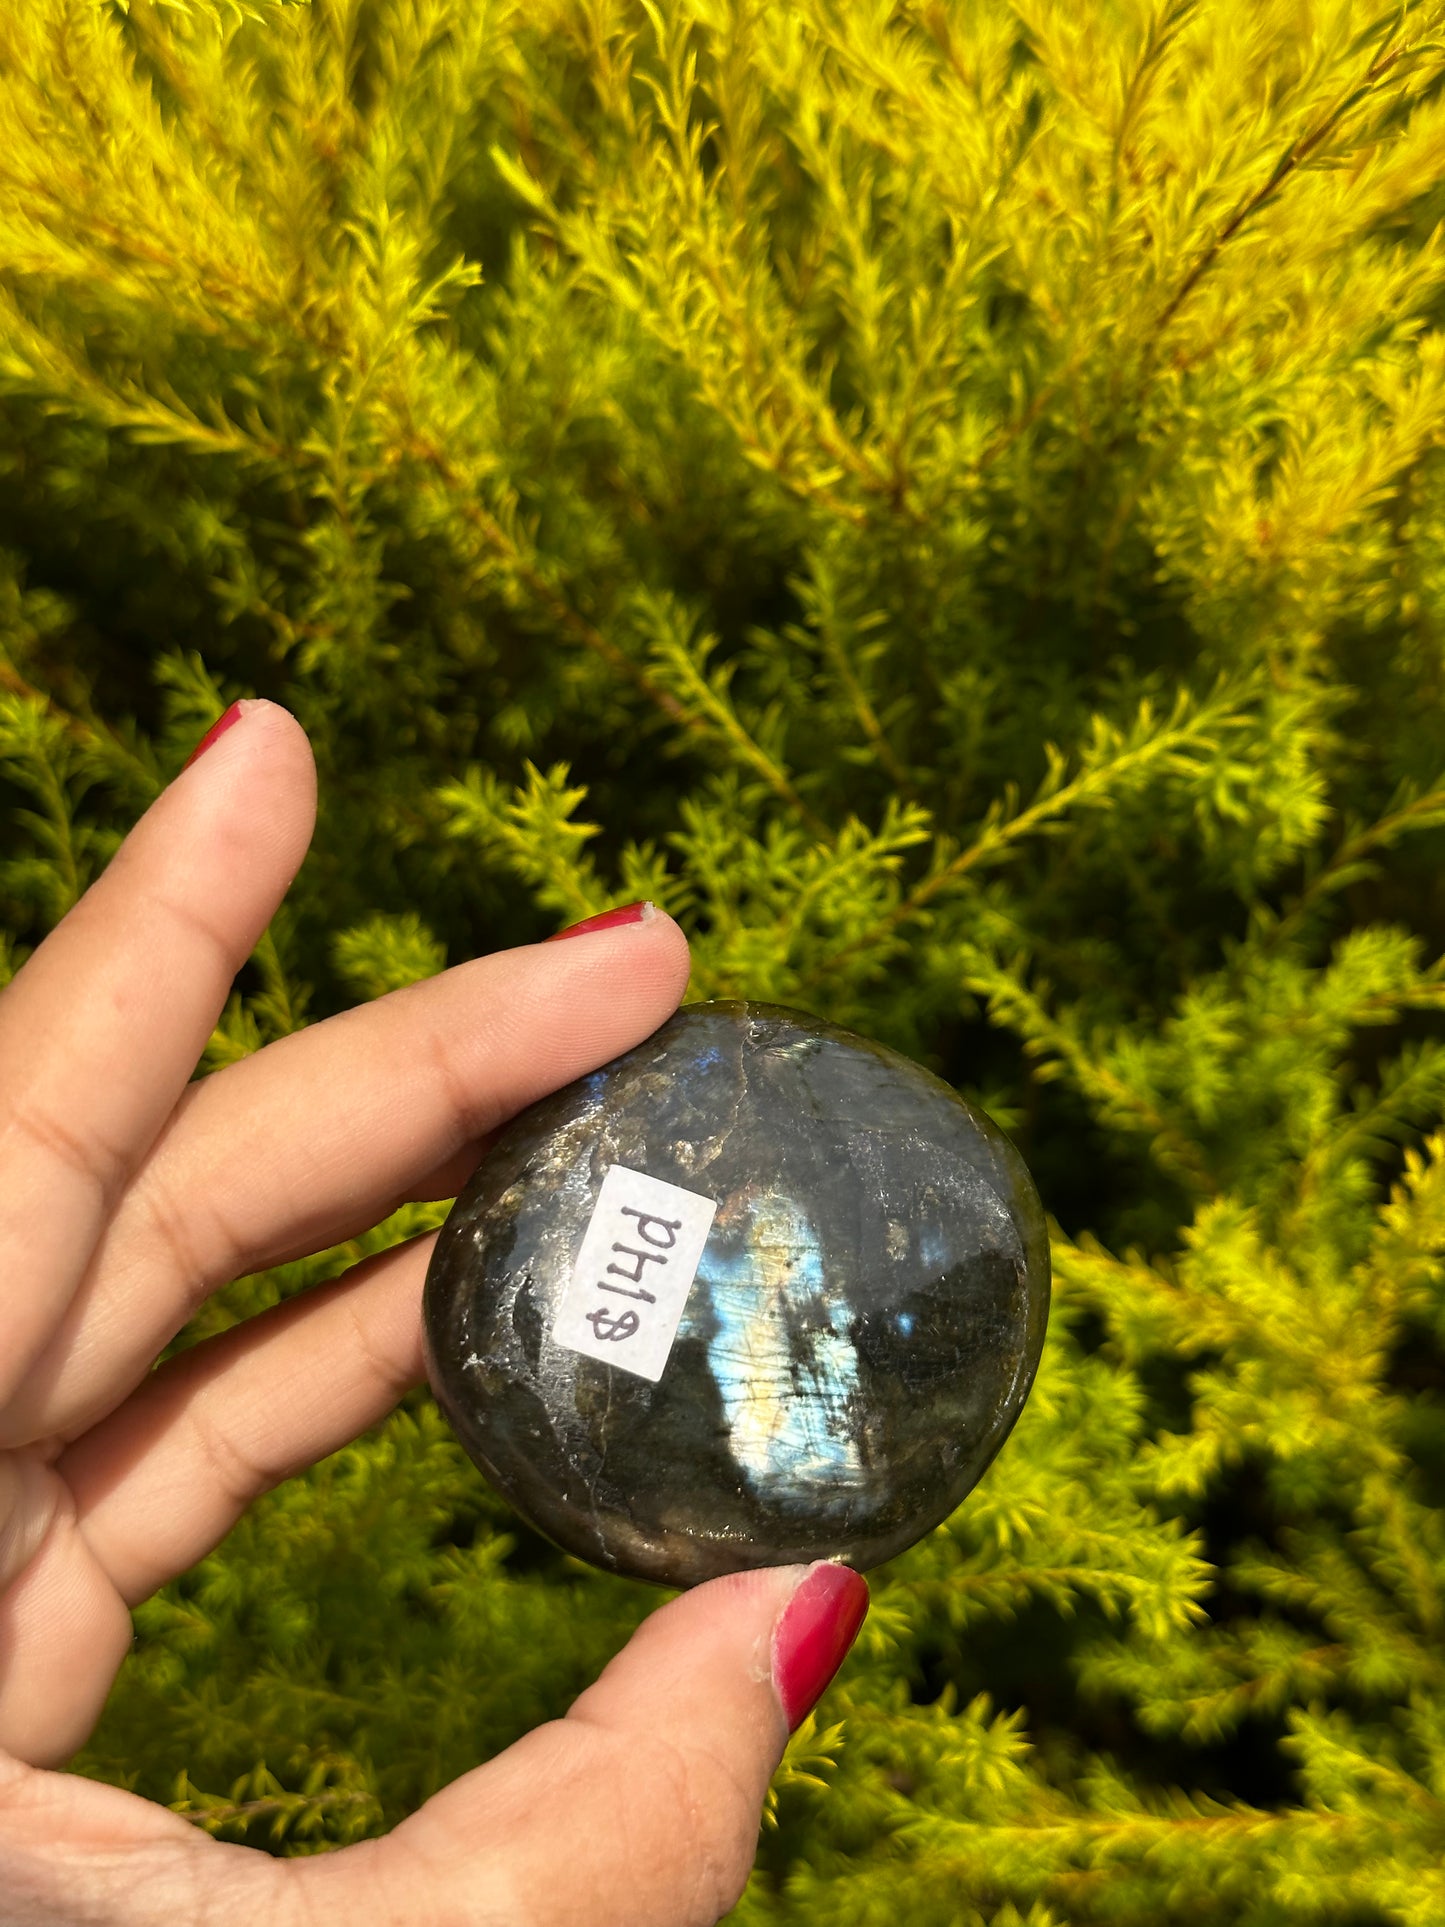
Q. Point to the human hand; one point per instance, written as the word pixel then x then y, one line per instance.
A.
pixel 127 1194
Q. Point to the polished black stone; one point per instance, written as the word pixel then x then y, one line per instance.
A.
pixel 860 1336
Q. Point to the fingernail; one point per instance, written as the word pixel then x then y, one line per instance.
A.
pixel 812 1637
pixel 608 920
pixel 226 721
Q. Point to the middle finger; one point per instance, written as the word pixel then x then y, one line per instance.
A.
pixel 320 1135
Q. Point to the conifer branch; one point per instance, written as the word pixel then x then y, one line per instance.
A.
pixel 846 864
pixel 1005 826
pixel 749 751
pixel 1001 1590
pixel 1346 865
pixel 1412 1092
pixel 88 732
pixel 1130 1833
pixel 873 731
pixel 1291 161
pixel 569 620
pixel 1165 24
pixel 683 655
pixel 287 1813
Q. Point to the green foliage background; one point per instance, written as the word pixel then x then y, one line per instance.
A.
pixel 946 496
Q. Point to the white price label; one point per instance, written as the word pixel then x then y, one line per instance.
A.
pixel 638 1259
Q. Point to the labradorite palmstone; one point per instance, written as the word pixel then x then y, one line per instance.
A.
pixel 859 1337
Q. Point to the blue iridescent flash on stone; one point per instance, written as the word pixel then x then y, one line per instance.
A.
pixel 860 1335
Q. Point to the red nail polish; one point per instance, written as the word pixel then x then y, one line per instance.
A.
pixel 811 1640
pixel 607 920
pixel 218 728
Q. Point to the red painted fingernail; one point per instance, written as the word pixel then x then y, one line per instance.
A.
pixel 228 720
pixel 811 1640
pixel 608 920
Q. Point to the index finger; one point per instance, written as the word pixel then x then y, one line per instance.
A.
pixel 101 1029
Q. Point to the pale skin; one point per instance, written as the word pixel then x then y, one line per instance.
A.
pixel 128 1193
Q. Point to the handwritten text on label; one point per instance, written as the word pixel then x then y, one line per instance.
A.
pixel 637 1261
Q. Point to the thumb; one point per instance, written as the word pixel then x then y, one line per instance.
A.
pixel 641 1807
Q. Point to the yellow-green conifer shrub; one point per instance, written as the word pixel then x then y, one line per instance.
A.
pixel 947 496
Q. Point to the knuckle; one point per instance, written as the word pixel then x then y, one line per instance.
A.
pixel 723 1818
pixel 237 1474
pixel 34 1504
pixel 388 1370
pixel 701 1818
pixel 195 926
pixel 172 1226
pixel 474 1112
pixel 81 1153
